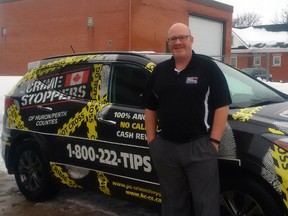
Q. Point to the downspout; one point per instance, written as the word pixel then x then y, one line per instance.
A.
pixel 129 23
pixel 267 62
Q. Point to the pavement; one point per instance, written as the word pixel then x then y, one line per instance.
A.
pixel 66 203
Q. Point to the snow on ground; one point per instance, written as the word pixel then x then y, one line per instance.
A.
pixel 280 86
pixel 7 82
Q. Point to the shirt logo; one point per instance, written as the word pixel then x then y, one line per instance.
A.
pixel 191 80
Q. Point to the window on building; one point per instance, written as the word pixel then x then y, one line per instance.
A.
pixel 257 61
pixel 233 61
pixel 277 60
pixel 4 31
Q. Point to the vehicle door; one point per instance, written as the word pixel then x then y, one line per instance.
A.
pixel 121 122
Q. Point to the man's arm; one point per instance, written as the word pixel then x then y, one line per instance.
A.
pixel 150 124
pixel 220 120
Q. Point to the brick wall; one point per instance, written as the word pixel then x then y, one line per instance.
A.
pixel 279 73
pixel 38 29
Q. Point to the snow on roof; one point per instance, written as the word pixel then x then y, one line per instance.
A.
pixel 261 38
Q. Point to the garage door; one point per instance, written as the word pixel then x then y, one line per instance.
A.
pixel 208 36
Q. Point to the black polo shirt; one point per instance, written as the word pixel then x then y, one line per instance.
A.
pixel 186 101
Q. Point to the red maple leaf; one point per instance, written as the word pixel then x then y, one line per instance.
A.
pixel 76 78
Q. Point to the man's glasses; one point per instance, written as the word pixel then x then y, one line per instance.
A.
pixel 181 38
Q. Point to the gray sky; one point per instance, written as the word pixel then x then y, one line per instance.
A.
pixel 266 8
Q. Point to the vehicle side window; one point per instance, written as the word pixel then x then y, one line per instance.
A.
pixel 128 84
pixel 75 80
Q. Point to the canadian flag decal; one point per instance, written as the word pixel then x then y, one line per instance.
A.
pixel 77 78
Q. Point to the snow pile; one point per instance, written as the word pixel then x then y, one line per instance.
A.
pixel 280 86
pixel 255 36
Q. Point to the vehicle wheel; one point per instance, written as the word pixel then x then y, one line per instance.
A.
pixel 32 173
pixel 246 197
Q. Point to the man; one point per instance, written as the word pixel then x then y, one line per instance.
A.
pixel 189 96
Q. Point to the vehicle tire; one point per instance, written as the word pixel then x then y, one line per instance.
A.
pixel 32 173
pixel 240 197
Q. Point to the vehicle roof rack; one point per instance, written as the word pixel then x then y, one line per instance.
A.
pixel 135 53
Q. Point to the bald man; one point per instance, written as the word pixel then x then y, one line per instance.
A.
pixel 188 97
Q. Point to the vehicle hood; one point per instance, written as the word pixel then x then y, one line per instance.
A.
pixel 273 116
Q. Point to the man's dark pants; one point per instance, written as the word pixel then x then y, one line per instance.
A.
pixel 186 169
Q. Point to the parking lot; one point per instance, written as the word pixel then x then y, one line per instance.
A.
pixel 66 203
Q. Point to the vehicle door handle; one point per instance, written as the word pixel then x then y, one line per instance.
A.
pixel 43 108
pixel 106 121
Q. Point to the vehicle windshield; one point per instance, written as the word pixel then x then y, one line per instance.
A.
pixel 247 92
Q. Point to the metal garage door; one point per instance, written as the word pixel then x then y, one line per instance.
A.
pixel 208 36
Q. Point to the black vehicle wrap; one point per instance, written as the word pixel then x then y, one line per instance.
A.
pixel 60 103
pixel 65 104
pixel 267 125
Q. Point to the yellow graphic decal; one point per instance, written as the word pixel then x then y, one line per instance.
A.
pixel 73 123
pixel 88 113
pixel 139 192
pixel 57 64
pixel 14 118
pixel 96 82
pixel 90 118
pixel 245 114
pixel 280 157
pixel 93 107
pixel 103 183
pixel 150 66
pixel 59 173
pixel 279 142
pixel 275 131
pixel 5 141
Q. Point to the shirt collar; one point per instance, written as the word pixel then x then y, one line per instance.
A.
pixel 191 61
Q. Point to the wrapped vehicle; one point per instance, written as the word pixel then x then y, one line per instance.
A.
pixel 78 121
